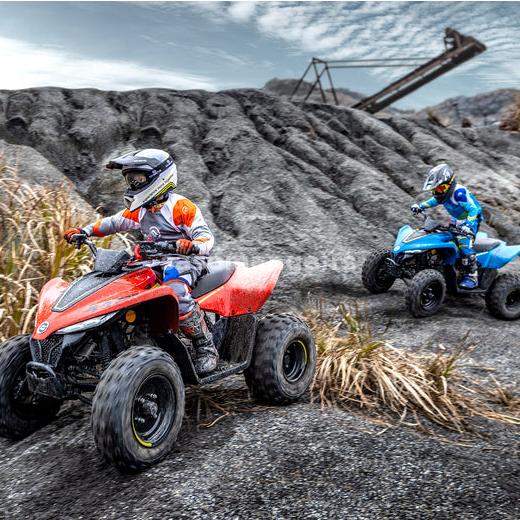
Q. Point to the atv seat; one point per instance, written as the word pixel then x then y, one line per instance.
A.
pixel 218 274
pixel 482 245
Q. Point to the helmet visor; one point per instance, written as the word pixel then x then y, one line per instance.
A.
pixel 136 180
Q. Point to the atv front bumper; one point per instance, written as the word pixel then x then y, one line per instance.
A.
pixel 42 380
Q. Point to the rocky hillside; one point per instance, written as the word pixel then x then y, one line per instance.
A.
pixel 31 166
pixel 274 179
pixel 485 109
pixel 285 87
pixel 318 186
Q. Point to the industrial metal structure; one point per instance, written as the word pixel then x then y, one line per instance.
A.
pixel 458 49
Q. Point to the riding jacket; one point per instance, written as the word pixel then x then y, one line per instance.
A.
pixel 461 205
pixel 174 219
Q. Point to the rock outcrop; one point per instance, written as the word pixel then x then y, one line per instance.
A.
pixel 30 166
pixel 490 108
pixel 317 185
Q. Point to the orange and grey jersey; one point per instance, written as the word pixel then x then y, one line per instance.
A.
pixel 177 218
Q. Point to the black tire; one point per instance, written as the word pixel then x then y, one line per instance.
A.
pixel 284 360
pixel 503 297
pixel 425 293
pixel 125 430
pixel 21 413
pixel 373 273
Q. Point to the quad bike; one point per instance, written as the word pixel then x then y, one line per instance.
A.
pixel 428 260
pixel 111 339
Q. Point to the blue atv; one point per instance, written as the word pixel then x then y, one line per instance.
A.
pixel 429 262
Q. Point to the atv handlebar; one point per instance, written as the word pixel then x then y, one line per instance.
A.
pixel 432 225
pixel 147 249
pixel 454 230
pixel 155 249
pixel 79 239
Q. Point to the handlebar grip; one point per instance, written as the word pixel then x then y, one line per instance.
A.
pixel 78 239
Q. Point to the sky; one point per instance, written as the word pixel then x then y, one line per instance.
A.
pixel 222 45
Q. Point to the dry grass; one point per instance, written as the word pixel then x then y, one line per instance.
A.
pixel 207 406
pixel 357 370
pixel 512 120
pixel 32 250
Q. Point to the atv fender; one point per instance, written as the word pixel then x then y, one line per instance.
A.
pixel 125 292
pixel 245 292
pixel 49 294
pixel 498 257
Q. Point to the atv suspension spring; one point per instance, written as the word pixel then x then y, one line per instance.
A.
pixel 105 354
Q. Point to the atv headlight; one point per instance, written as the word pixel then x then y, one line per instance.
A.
pixel 87 324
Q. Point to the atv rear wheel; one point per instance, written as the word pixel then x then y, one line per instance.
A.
pixel 21 412
pixel 503 298
pixel 425 293
pixel 374 273
pixel 138 407
pixel 284 360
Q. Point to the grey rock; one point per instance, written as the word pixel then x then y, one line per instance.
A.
pixel 481 110
pixel 32 167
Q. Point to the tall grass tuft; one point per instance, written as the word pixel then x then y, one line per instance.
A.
pixel 357 370
pixel 32 250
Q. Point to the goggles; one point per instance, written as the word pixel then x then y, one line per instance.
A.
pixel 441 188
pixel 136 180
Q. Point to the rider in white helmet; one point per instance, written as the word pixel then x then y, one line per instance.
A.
pixel 162 215
pixel 465 211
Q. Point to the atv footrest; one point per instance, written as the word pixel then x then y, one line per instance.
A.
pixel 224 369
pixel 470 292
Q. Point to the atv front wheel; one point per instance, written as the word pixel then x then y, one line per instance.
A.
pixel 138 408
pixel 425 293
pixel 21 412
pixel 374 274
pixel 503 298
pixel 284 360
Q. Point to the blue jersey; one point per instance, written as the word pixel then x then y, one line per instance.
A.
pixel 461 205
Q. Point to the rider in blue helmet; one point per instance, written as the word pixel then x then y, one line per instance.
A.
pixel 465 211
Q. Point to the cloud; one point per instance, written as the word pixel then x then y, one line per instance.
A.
pixel 242 11
pixel 25 65
pixel 346 30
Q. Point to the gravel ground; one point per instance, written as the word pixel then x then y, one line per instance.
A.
pixel 292 462
pixel 295 462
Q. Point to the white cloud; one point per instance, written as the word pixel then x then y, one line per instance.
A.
pixel 371 30
pixel 242 11
pixel 25 65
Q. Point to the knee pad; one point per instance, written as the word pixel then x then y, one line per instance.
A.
pixel 465 245
pixel 186 302
pixel 172 273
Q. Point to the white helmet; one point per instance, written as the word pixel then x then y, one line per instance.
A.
pixel 440 181
pixel 149 174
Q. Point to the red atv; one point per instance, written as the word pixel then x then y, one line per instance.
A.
pixel 112 339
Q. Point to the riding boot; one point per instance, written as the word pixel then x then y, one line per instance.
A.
pixel 470 278
pixel 193 325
